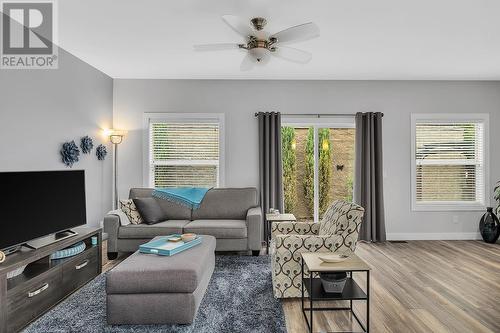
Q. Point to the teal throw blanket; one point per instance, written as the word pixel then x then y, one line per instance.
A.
pixel 188 196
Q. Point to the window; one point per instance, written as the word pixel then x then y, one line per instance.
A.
pixel 184 150
pixel 449 161
pixel 318 164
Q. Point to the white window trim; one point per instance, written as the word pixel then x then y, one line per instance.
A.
pixel 317 123
pixel 180 118
pixel 450 117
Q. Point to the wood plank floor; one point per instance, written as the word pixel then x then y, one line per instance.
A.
pixel 421 286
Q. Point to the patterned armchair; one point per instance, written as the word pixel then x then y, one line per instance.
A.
pixel 337 232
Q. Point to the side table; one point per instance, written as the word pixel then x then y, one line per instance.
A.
pixel 270 218
pixel 352 291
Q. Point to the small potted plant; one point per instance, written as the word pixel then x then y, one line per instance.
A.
pixel 497 197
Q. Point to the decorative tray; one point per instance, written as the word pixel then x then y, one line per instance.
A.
pixel 163 247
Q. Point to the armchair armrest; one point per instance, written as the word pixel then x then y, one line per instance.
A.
pixel 308 243
pixel 254 228
pixel 294 228
pixel 111 225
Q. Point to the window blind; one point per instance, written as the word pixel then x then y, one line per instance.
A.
pixel 184 154
pixel 449 162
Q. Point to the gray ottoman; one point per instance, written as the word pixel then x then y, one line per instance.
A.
pixel 151 289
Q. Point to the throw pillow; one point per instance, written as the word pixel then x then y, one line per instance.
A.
pixel 150 210
pixel 128 207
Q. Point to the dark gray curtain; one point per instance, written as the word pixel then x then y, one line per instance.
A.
pixel 368 181
pixel 271 180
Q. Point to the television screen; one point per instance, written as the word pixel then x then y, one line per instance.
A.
pixel 36 204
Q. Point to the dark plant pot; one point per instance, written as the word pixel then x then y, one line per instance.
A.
pixel 333 282
pixel 489 226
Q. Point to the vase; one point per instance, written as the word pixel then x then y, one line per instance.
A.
pixel 489 226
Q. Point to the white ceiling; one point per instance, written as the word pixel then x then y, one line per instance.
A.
pixel 360 39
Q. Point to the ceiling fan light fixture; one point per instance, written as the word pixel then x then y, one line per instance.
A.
pixel 260 44
pixel 260 54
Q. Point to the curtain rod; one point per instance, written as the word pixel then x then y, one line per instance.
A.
pixel 318 115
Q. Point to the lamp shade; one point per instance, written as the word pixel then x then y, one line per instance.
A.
pixel 115 135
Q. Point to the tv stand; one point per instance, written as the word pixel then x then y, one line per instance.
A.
pixel 49 239
pixel 45 282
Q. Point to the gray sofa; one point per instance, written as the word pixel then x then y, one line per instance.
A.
pixel 231 215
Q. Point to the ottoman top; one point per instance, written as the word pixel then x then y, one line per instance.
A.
pixel 150 273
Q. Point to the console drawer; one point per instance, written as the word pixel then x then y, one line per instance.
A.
pixel 33 298
pixel 81 269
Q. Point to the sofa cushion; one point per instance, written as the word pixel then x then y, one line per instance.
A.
pixel 144 273
pixel 226 203
pixel 173 211
pixel 218 228
pixel 150 210
pixel 150 231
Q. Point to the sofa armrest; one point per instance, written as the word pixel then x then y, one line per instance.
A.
pixel 254 228
pixel 294 228
pixel 308 243
pixel 111 225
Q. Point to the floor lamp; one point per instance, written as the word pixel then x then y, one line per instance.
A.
pixel 116 137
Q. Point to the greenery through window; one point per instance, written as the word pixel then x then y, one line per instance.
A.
pixel 335 168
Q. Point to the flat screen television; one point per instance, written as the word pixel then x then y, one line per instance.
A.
pixel 37 204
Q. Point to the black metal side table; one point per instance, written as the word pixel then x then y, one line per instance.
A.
pixel 352 291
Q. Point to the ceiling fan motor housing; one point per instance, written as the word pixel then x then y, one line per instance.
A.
pixel 258 23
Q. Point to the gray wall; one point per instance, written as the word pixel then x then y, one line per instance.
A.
pixel 41 109
pixel 240 99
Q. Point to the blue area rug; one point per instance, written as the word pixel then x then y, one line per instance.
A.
pixel 239 298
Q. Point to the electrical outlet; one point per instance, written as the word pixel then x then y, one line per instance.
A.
pixel 454 219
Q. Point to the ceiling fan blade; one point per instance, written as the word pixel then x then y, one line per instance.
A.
pixel 248 63
pixel 292 54
pixel 216 47
pixel 239 25
pixel 297 33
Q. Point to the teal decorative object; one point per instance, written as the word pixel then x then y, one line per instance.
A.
pixel 69 252
pixel 86 144
pixel 70 153
pixel 101 152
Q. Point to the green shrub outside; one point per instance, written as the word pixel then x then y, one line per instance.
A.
pixel 289 167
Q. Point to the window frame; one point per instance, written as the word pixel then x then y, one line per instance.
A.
pixel 317 122
pixel 168 117
pixel 431 118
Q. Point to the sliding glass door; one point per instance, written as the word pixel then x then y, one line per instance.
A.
pixel 318 165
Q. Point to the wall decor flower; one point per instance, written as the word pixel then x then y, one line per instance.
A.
pixel 70 153
pixel 101 152
pixel 86 144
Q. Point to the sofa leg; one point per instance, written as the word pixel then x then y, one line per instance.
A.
pixel 112 255
pixel 255 253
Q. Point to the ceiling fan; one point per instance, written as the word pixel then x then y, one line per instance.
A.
pixel 261 45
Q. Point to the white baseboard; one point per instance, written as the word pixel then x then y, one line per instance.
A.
pixel 435 236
